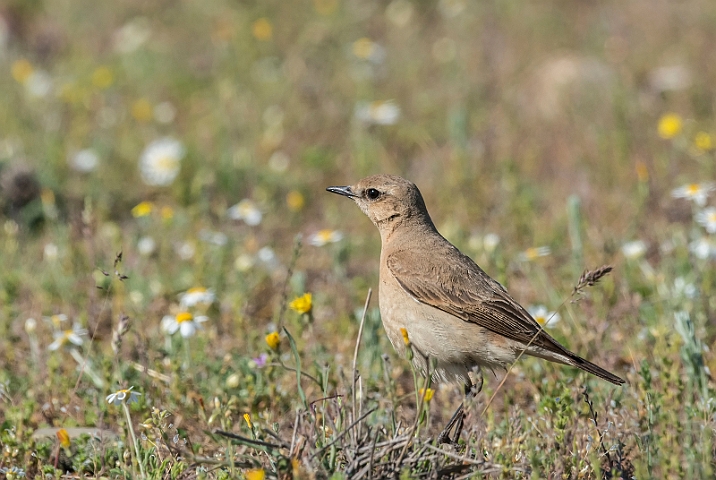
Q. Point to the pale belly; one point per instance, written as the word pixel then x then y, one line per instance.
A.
pixel 453 346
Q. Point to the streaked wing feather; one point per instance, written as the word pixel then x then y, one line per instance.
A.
pixel 466 292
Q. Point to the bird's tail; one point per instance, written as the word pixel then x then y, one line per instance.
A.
pixel 594 369
pixel 559 354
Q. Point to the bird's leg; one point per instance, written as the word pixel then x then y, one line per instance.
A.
pixel 455 421
pixel 458 418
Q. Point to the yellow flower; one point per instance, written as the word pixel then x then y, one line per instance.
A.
pixel 47 196
pixel 669 125
pixel 142 110
pixel 102 78
pixel 427 393
pixel 295 200
pixel 363 47
pixel 262 29
pixel 302 304
pixel 167 213
pixel 703 142
pixel 21 70
pixel 404 333
pixel 63 437
pixel 273 340
pixel 247 417
pixel 533 253
pixel 143 209
pixel 295 467
pixel 255 474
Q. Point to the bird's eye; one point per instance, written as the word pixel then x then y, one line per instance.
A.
pixel 372 193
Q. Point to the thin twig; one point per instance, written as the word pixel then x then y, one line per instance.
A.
pixel 479 463
pixel 594 417
pixel 372 456
pixel 246 440
pixel 293 437
pixel 420 406
pixel 289 273
pixel 152 373
pixel 342 434
pixel 355 360
pixel 273 434
pixel 291 369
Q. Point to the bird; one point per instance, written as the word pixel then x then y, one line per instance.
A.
pixel 438 307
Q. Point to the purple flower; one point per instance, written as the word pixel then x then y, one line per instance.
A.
pixel 260 361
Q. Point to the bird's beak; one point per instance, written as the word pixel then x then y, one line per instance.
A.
pixel 345 191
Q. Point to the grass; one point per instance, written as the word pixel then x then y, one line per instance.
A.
pixel 546 123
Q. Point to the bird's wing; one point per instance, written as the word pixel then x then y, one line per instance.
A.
pixel 452 282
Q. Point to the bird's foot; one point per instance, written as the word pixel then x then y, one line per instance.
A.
pixel 456 422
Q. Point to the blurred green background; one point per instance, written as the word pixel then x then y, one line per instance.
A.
pixel 197 138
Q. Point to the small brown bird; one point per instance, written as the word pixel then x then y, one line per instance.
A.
pixel 454 314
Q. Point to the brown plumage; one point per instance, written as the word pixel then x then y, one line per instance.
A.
pixel 426 284
pixel 453 312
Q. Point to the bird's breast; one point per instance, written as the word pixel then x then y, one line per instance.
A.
pixel 457 346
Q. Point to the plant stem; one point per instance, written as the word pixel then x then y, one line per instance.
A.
pixel 134 439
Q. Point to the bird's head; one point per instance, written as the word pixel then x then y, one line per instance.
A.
pixel 387 200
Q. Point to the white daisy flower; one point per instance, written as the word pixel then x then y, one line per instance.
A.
pixel 696 192
pixel 670 78
pixel 146 246
pixel 195 296
pixel 534 253
pixel 13 472
pixel 30 325
pixel 490 241
pixel 366 49
pixel 703 248
pixel 185 250
pixel 244 262
pixel 64 337
pixel 707 218
pixel 160 161
pixel 123 396
pixel 39 84
pixel 543 316
pixel 214 238
pixel 50 252
pixel 84 161
pixel 378 113
pixel 56 320
pixel 279 161
pixel 634 250
pixel 132 35
pixel 683 289
pixel 324 237
pixel 266 255
pixel 184 322
pixel 247 211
